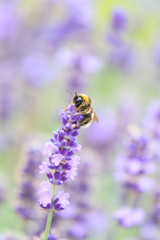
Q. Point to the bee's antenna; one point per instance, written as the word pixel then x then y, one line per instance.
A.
pixel 69 92
pixel 75 93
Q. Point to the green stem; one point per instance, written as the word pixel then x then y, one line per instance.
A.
pixel 50 215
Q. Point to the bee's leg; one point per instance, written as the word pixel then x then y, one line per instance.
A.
pixel 84 122
pixel 79 113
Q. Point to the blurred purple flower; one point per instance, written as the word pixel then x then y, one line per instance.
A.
pixel 128 217
pixel 122 56
pixel 37 69
pixel 132 169
pixel 45 194
pixel 43 168
pixel 27 191
pixel 137 147
pixel 76 24
pixel 80 65
pixel 145 184
pixel 78 231
pixel 48 149
pixel 52 237
pixel 152 119
pixel 119 19
pixel 83 61
pixel 81 11
pixel 150 230
pixel 8 19
pixel 151 124
pixel 120 53
pixel 87 63
pixel 114 40
pixel 77 82
pixel 103 135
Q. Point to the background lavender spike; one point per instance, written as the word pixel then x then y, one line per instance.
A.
pixel 121 54
pixel 28 183
pixel 135 166
pixel 27 193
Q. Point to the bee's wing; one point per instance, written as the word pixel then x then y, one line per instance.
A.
pixel 95 118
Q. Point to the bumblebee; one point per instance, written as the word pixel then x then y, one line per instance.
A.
pixel 83 106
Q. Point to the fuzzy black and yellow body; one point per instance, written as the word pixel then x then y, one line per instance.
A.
pixel 83 106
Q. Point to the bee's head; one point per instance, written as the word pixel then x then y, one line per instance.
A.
pixel 78 100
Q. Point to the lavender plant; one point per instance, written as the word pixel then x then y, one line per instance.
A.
pixel 27 194
pixel 82 65
pixel 61 164
pixel 121 53
pixel 150 230
pixel 132 170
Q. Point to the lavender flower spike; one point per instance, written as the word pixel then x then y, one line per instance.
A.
pixel 61 164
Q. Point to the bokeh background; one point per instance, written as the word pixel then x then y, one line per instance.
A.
pixel 109 50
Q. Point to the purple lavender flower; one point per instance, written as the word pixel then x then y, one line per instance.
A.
pixel 37 69
pixel 61 164
pixel 80 64
pixel 61 201
pixel 151 227
pixel 102 136
pixel 81 12
pixel 119 19
pixel 52 237
pixel 46 196
pixel 128 217
pixel 78 231
pixel 121 54
pixel 133 170
pixel 86 62
pixel 27 192
pixel 8 19
pixel 151 123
